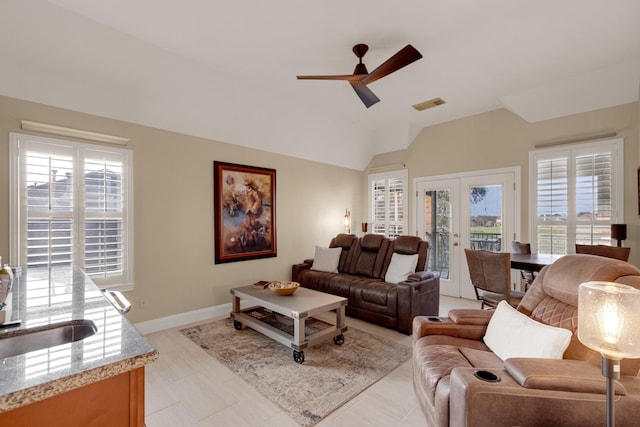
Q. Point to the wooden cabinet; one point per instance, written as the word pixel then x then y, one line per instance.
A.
pixel 115 402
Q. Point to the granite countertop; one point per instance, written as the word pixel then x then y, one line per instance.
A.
pixel 41 297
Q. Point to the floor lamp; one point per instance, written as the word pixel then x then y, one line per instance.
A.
pixel 609 323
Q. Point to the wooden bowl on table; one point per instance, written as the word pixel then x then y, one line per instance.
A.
pixel 284 288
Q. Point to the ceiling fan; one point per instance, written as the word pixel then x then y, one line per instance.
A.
pixel 361 77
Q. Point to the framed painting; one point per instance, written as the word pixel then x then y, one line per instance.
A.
pixel 244 209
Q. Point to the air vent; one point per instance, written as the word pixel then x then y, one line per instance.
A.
pixel 428 104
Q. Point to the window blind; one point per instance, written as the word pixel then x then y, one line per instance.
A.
pixel 72 207
pixel 577 195
pixel 388 204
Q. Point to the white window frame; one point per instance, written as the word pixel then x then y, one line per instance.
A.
pixel 614 146
pixel 387 176
pixel 18 144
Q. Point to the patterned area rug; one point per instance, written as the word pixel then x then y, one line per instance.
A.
pixel 330 376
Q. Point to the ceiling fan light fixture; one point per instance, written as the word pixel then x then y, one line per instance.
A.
pixel 360 69
pixel 429 104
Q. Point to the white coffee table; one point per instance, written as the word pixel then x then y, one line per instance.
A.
pixel 299 307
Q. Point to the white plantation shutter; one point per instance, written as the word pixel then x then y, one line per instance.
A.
pixel 379 206
pixel 48 196
pixel 71 206
pixel 553 200
pixel 104 232
pixel 577 194
pixel 594 187
pixel 388 203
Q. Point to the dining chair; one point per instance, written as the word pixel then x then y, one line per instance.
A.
pixel 490 274
pixel 605 251
pixel 524 248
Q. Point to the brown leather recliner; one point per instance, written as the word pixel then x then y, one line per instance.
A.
pixel 449 352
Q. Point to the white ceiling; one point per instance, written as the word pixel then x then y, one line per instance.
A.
pixel 225 69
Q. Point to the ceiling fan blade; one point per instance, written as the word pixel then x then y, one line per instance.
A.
pixel 349 77
pixel 364 93
pixel 404 57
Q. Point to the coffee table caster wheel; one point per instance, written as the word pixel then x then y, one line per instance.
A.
pixel 237 325
pixel 298 356
pixel 338 339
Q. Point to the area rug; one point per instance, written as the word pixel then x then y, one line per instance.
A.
pixel 330 376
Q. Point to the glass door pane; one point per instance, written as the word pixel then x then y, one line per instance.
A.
pixel 438 224
pixel 485 221
pixel 437 208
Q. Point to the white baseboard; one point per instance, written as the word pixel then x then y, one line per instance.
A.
pixel 180 319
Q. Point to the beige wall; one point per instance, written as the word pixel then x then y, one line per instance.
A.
pixel 500 139
pixel 174 268
pixel 173 208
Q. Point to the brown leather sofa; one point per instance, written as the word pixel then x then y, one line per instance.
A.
pixel 449 352
pixel 360 278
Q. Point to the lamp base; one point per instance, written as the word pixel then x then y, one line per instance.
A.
pixel 611 371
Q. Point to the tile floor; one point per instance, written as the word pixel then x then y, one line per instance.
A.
pixel 187 387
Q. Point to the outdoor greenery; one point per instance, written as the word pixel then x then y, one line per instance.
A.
pixel 486 230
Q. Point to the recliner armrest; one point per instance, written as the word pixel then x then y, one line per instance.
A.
pixel 475 402
pixel 297 268
pixel 470 316
pixel 461 323
pixel 428 325
pixel 559 375
pixel 419 276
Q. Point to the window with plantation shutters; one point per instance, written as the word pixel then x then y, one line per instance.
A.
pixel 71 206
pixel 388 203
pixel 577 192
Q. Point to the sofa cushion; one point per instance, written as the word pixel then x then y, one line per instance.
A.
pixel 326 259
pixel 377 293
pixel 316 280
pixel 512 334
pixel 340 284
pixel 369 256
pixel 375 296
pixel 565 274
pixel 400 267
pixel 406 245
pixel 371 242
pixel 344 241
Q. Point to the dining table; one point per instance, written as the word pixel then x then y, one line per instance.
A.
pixel 532 262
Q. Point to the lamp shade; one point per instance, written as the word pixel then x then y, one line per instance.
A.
pixel 619 231
pixel 609 319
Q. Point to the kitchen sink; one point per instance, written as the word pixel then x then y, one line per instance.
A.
pixel 38 338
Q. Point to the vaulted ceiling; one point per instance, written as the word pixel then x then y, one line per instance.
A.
pixel 226 69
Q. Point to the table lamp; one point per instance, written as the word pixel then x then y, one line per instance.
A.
pixel 609 323
pixel 619 233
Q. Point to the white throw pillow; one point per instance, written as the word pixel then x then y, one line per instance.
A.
pixel 512 334
pixel 326 259
pixel 400 267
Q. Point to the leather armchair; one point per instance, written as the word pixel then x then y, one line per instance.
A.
pixel 449 355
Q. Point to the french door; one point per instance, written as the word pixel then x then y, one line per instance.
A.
pixel 478 210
